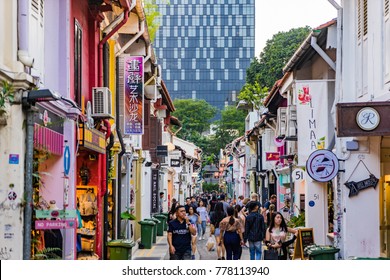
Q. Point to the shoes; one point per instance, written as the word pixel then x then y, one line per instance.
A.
pixel 200 238
pixel 222 258
pixel 192 257
pixel 219 259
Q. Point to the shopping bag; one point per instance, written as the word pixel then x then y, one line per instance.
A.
pixel 210 245
pixel 270 254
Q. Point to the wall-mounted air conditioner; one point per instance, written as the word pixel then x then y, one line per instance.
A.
pixel 281 121
pixel 101 102
pixel 252 162
pixel 292 121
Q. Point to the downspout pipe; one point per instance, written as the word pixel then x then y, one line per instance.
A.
pixel 127 9
pixel 338 200
pixel 105 211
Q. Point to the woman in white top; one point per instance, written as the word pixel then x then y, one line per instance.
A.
pixel 276 235
pixel 204 217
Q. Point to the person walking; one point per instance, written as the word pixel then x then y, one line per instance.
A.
pixel 254 231
pixel 204 217
pixel 179 236
pixel 239 214
pixel 161 202
pixel 217 216
pixel 230 230
pixel 194 220
pixel 276 235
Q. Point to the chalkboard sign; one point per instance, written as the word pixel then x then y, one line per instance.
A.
pixel 304 239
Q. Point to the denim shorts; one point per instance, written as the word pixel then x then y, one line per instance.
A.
pixel 217 232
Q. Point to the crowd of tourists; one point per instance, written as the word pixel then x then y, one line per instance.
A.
pixel 234 224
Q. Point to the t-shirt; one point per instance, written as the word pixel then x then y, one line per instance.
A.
pixel 202 211
pixel 181 236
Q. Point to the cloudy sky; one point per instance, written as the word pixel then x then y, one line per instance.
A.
pixel 273 16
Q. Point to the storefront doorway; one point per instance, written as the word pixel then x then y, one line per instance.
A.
pixel 384 199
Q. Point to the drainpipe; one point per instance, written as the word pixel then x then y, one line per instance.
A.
pixel 132 40
pixel 338 218
pixel 105 210
pixel 23 32
pixel 102 158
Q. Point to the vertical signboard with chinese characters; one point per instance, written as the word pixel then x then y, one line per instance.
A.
pixel 134 95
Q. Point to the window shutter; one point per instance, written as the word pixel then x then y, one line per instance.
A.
pixel 36 34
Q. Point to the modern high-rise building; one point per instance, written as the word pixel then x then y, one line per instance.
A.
pixel 205 47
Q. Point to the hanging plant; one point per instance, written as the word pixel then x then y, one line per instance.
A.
pixel 6 97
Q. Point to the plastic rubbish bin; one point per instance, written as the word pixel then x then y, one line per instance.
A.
pixel 160 227
pixel 166 214
pixel 120 249
pixel 157 221
pixel 318 252
pixel 147 233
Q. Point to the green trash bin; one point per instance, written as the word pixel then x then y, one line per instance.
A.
pixel 147 233
pixel 160 227
pixel 318 252
pixel 157 221
pixel 166 214
pixel 120 249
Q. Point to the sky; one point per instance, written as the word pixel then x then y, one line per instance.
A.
pixel 273 16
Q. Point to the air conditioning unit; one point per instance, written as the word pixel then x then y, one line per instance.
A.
pixel 252 161
pixel 292 121
pixel 101 102
pixel 281 121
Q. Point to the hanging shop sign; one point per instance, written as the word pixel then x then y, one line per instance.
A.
pixel 92 139
pixel 44 214
pixel 154 192
pixel 362 119
pixel 322 165
pixel 312 107
pixel 49 224
pixel 134 95
pixel 162 151
pixel 356 187
pixel 272 156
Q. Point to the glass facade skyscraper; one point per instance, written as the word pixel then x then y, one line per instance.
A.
pixel 205 47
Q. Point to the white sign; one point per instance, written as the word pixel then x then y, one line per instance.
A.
pixel 298 175
pixel 313 117
pixel 322 165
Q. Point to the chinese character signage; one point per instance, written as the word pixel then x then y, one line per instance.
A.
pixel 134 95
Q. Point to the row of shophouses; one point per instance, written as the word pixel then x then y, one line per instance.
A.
pixel 88 127
pixel 322 134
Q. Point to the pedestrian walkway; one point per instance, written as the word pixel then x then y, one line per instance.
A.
pixel 160 250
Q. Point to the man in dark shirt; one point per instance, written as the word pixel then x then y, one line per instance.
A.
pixel 179 236
pixel 254 230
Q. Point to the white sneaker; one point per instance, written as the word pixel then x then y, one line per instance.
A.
pixel 200 238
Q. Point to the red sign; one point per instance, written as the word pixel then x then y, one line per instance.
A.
pixel 49 224
pixel 269 156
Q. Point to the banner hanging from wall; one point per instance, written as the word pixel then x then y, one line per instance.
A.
pixel 313 117
pixel 134 95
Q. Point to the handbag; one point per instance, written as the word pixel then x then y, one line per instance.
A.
pixel 271 254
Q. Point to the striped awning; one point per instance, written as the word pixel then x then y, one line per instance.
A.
pixel 47 139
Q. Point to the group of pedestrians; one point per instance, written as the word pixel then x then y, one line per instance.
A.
pixel 233 225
